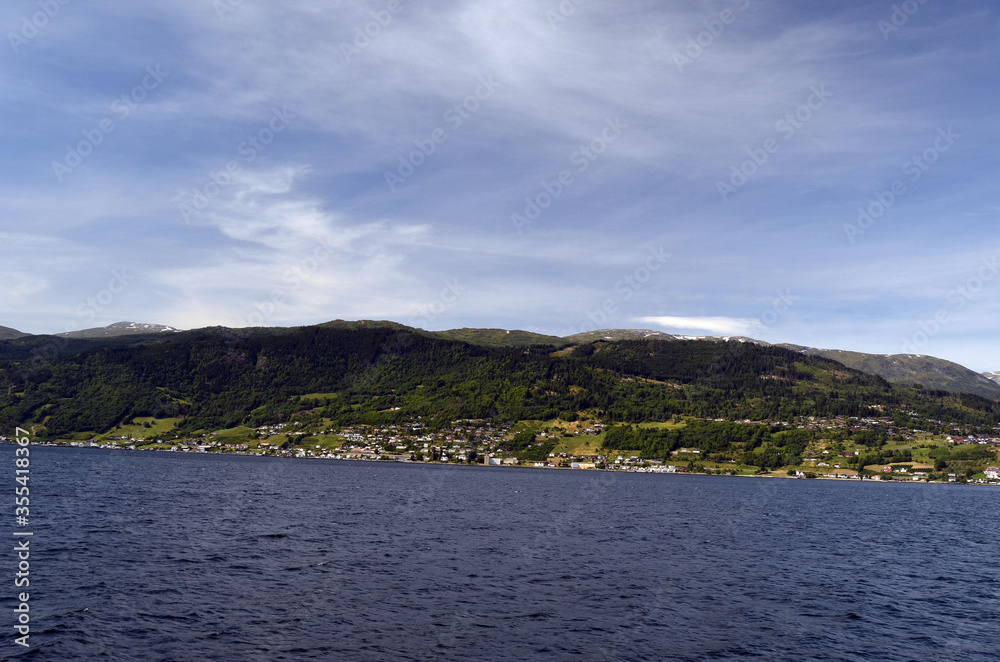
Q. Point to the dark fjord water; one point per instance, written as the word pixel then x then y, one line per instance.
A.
pixel 145 556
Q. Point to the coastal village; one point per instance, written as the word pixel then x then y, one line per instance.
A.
pixel 573 445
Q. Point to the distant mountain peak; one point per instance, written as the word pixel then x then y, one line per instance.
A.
pixel 500 337
pixel 928 371
pixel 136 326
pixel 620 334
pixel 7 333
pixel 612 335
pixel 119 329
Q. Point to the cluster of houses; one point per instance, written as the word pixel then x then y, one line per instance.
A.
pixel 981 440
pixel 483 442
pixel 960 435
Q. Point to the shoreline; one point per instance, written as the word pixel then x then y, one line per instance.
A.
pixel 853 479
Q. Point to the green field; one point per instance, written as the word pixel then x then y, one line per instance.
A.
pixel 667 425
pixel 579 445
pixel 318 396
pixel 157 428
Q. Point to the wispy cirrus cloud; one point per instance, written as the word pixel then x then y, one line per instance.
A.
pixel 307 259
pixel 391 252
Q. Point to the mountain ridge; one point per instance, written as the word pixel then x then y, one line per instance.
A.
pixel 220 379
pixel 7 333
pixel 117 329
pixel 927 371
pixel 904 369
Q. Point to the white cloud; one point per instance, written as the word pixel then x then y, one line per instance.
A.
pixel 727 326
pixel 320 184
pixel 283 258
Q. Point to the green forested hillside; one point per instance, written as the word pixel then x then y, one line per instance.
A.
pixel 502 338
pixel 929 371
pixel 220 378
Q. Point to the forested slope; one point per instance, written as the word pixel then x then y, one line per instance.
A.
pixel 218 378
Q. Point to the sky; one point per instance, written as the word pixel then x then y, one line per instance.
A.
pixel 819 173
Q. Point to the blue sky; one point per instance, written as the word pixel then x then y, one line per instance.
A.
pixel 694 167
